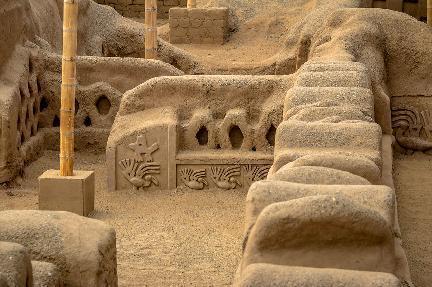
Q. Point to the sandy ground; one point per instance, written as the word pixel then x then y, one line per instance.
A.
pixel 194 238
pixel 163 238
pixel 413 180
pixel 258 35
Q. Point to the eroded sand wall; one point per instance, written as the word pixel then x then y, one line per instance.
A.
pixel 196 132
pixel 31 102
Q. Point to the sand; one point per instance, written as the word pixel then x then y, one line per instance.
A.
pixel 194 238
pixel 256 34
pixel 413 181
pixel 163 238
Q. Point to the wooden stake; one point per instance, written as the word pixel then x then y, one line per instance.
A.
pixel 429 12
pixel 191 3
pixel 67 110
pixel 150 29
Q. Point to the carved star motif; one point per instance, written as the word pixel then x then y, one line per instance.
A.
pixel 142 151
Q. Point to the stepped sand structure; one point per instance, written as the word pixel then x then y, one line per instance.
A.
pixel 265 143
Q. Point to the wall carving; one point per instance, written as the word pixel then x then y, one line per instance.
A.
pixel 141 171
pixel 222 176
pixel 194 179
pixel 254 173
pixel 141 150
pixel 226 178
pixel 412 128
pixel 227 144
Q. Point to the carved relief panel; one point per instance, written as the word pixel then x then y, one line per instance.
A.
pixel 219 176
pixel 142 161
pixel 412 123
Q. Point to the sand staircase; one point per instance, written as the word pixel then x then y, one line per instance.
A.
pixel 323 217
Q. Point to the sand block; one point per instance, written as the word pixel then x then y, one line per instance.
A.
pixel 83 249
pixel 322 66
pixel 318 175
pixel 300 98
pixel 15 266
pixel 331 114
pixel 268 275
pixel 292 233
pixel 295 139
pixel 46 275
pixel 67 193
pixel 379 198
pixel 198 25
pixel 357 165
pixel 333 79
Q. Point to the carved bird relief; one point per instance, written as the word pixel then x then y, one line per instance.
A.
pixel 225 178
pixel 194 179
pixel 255 173
pixel 139 174
pixel 408 124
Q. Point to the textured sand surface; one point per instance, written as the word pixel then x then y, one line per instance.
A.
pixel 412 175
pixel 163 238
pixel 194 238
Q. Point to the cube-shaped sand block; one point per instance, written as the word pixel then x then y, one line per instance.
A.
pixel 67 193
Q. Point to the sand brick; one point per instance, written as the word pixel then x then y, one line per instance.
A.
pixel 203 25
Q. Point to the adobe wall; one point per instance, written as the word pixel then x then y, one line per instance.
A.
pixel 198 25
pixel 196 132
pixel 416 8
pixel 30 102
pixel 135 8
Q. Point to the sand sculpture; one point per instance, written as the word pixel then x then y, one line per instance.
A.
pixel 308 133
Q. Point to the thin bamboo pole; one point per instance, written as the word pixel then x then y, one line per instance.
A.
pixel 429 12
pixel 70 19
pixel 150 29
pixel 191 3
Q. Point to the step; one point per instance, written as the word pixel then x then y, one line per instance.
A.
pixel 323 231
pixel 261 194
pixel 299 98
pixel 268 275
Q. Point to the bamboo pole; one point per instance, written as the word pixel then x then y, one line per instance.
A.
pixel 191 3
pixel 150 29
pixel 429 12
pixel 70 19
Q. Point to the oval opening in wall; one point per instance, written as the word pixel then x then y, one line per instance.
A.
pixel 236 137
